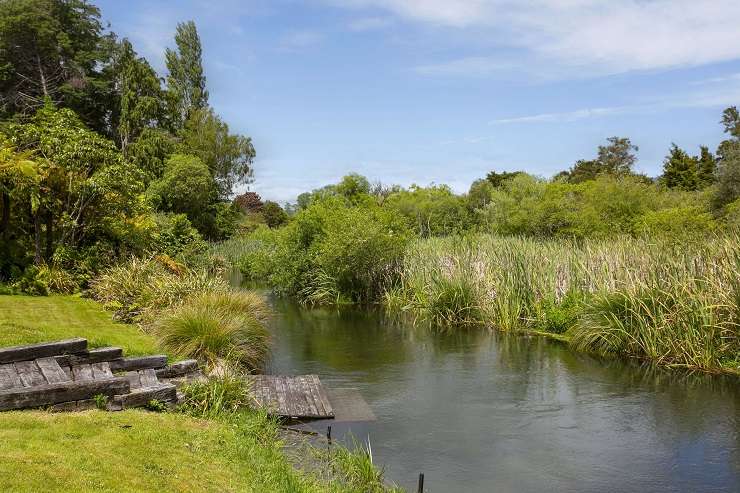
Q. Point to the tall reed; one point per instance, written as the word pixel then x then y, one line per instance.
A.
pixel 674 303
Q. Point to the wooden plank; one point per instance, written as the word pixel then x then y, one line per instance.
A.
pixel 164 392
pixel 30 374
pixel 101 370
pixel 43 350
pixel 97 355
pixel 179 369
pixel 54 393
pixel 51 370
pixel 148 378
pixel 82 373
pixel 140 363
pixel 9 378
pixel 134 379
pixel 321 394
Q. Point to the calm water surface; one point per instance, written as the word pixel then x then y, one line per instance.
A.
pixel 477 411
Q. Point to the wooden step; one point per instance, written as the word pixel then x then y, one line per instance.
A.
pixel 97 355
pixel 139 363
pixel 43 350
pixel 179 369
pixel 48 394
pixel 163 392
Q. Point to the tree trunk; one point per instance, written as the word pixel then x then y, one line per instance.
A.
pixel 37 239
pixel 49 236
pixel 5 218
pixel 42 77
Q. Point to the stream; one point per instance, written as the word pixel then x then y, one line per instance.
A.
pixel 481 411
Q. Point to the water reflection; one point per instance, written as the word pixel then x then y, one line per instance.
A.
pixel 482 411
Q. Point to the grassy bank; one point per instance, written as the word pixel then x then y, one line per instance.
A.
pixel 201 449
pixel 676 304
pixel 30 319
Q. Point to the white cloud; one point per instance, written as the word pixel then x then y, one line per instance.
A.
pixel 589 36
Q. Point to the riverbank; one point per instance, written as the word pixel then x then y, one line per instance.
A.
pixel 134 450
pixel 673 303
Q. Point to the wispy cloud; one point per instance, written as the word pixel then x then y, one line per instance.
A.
pixel 715 98
pixel 369 23
pixel 300 40
pixel 567 116
pixel 467 67
pixel 592 37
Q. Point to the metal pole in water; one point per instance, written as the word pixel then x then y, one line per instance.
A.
pixel 421 482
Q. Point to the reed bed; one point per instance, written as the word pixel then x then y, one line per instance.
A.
pixel 677 304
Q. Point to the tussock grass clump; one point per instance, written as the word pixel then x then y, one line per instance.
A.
pixel 217 328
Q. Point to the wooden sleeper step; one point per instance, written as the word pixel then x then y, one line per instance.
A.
pixel 139 363
pixel 54 393
pixel 33 351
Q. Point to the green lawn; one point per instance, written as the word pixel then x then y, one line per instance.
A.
pixel 137 451
pixel 30 319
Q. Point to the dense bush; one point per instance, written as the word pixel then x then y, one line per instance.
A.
pixel 603 207
pixel 431 211
pixel 332 251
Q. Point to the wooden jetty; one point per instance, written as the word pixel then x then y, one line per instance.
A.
pixel 304 397
pixel 65 375
pixel 293 397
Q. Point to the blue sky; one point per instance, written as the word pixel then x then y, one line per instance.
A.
pixel 443 91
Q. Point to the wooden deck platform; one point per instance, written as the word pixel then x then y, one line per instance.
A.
pixel 294 397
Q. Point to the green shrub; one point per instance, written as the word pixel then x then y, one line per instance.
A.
pixel 332 251
pixel 559 317
pixel 218 328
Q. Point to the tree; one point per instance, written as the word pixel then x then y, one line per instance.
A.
pixel 497 179
pixel 186 187
pixel 680 170
pixel 228 156
pixel 249 202
pixel 56 50
pixel 186 82
pixel 87 193
pixel 274 215
pixel 731 121
pixel 617 158
pixel 141 96
pixel 583 170
pixel 728 165
pixel 706 168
